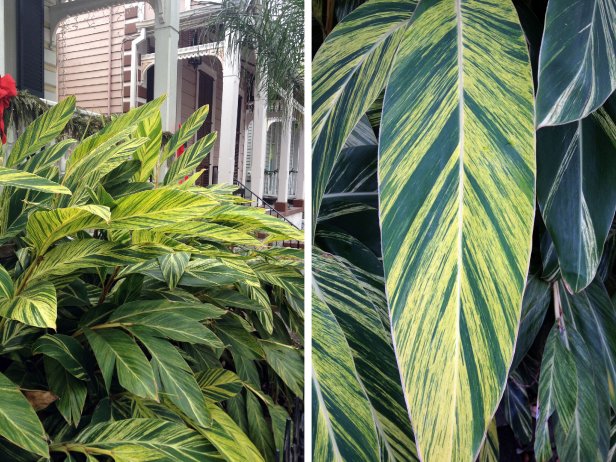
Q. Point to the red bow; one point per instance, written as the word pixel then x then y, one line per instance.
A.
pixel 8 90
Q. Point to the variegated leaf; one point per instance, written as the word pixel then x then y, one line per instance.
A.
pixel 343 427
pixel 145 440
pixel 219 384
pixel 178 384
pixel 188 129
pixel 577 63
pixel 42 131
pixel 113 347
pixel 172 265
pixel 575 166
pixel 67 351
pixel 46 227
pixel 190 159
pixel 18 422
pixel 25 180
pixel 456 170
pixel 229 439
pixel 35 305
pixel 352 305
pixel 350 70
pixel 156 208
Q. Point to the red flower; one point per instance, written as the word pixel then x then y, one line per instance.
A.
pixel 8 90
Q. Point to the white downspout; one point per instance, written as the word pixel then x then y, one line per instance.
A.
pixel 133 67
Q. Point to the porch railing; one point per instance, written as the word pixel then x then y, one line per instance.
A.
pixel 292 183
pixel 270 183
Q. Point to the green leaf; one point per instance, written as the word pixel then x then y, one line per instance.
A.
pixel 258 428
pixel 188 129
pixel 575 165
pixel 158 207
pixel 42 131
pixel 343 426
pixel 177 381
pixel 353 303
pixel 172 266
pixel 516 410
pixel 148 153
pixel 490 449
pixel 578 440
pixel 535 305
pixel 219 384
pixel 25 180
pixel 190 159
pixel 35 305
pixel 65 350
pixel 46 227
pixel 71 391
pixel 7 288
pixel 196 310
pixel 229 439
pixel 145 440
pixel 114 347
pixel 349 71
pixel 456 197
pixel 592 313
pixel 287 363
pixel 557 390
pixel 18 422
pixel 577 63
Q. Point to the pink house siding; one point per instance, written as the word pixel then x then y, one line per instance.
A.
pixel 90 59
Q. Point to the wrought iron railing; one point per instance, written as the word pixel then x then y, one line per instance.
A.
pixel 247 193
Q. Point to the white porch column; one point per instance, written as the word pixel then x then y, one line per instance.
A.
pixel 3 40
pixel 228 117
pixel 299 185
pixel 259 140
pixel 166 35
pixel 284 164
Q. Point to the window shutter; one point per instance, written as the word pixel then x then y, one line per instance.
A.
pixel 30 73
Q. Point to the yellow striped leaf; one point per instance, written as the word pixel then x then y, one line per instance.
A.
pixel 43 130
pixel 18 422
pixel 143 440
pixel 156 208
pixel 229 439
pixel 46 227
pixel 190 159
pixel 456 169
pixel 219 384
pixel 354 305
pixel 188 129
pixel 114 348
pixel 36 305
pixel 349 71
pixel 26 180
pixel 148 153
pixel 343 427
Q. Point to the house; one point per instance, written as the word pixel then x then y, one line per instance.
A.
pixel 114 55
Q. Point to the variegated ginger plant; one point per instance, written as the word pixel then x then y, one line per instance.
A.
pixel 437 127
pixel 140 320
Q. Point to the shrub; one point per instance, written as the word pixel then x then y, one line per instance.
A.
pixel 140 320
